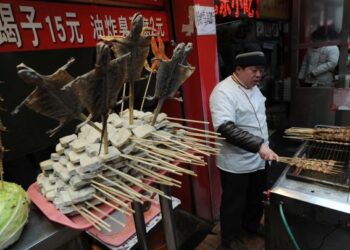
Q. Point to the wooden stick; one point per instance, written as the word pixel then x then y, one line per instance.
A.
pixel 114 191
pixel 181 144
pixel 144 197
pixel 154 163
pixel 119 202
pixel 131 102
pixel 315 140
pixel 166 152
pixel 184 137
pixel 144 96
pixel 83 118
pixel 168 180
pixel 186 120
pixel 154 153
pixel 138 182
pixel 186 171
pixel 204 135
pixel 169 159
pixel 197 129
pixel 151 141
pixel 104 213
pixel 185 153
pixel 100 221
pixel 202 146
pixel 149 163
pixel 122 107
pixel 135 195
pixel 105 136
pixel 86 217
pixel 111 205
pixel 172 168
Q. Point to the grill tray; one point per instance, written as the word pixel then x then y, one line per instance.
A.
pixel 324 151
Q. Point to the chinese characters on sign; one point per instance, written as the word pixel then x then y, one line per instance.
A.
pixel 236 8
pixel 204 20
pixel 29 25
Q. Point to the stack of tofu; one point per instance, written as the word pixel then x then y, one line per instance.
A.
pixel 66 177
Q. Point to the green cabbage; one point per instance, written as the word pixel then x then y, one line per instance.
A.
pixel 14 209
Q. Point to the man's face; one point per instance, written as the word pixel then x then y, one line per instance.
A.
pixel 250 75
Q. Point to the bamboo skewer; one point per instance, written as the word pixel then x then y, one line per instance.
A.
pixel 204 135
pixel 87 218
pixel 142 160
pixel 181 144
pixel 139 195
pixel 150 141
pixel 138 182
pixel 153 175
pixel 171 168
pixel 146 90
pixel 155 154
pixel 142 197
pixel 111 205
pixel 185 153
pixel 197 129
pixel 166 152
pixel 83 118
pixel 135 195
pixel 105 136
pixel 123 96
pixel 186 171
pixel 111 197
pixel 204 148
pixel 114 191
pixel 104 213
pixel 325 166
pixel 202 145
pixel 169 181
pixel 315 140
pixel 186 120
pixel 131 102
pixel 184 137
pixel 100 221
pixel 334 134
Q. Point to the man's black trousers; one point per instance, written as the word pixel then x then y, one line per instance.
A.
pixel 241 203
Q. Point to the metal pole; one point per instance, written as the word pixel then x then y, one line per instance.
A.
pixel 140 225
pixel 168 219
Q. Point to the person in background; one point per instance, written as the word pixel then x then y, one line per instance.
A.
pixel 319 62
pixel 238 113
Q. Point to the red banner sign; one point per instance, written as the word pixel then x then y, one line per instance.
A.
pixel 29 25
pixel 145 2
pixel 237 8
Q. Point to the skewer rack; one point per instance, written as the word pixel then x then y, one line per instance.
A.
pixel 324 151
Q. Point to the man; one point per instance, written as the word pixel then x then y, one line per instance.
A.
pixel 319 62
pixel 238 113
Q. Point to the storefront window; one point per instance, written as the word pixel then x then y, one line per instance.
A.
pixel 320 20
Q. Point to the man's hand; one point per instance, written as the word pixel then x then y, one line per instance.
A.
pixel 267 154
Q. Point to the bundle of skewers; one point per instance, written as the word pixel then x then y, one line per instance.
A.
pixel 113 159
pixel 334 135
pixel 323 166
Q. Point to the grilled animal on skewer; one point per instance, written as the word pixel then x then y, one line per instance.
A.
pixel 98 89
pixel 171 75
pixel 158 51
pixel 138 45
pixel 48 99
pixel 336 134
pixel 324 166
